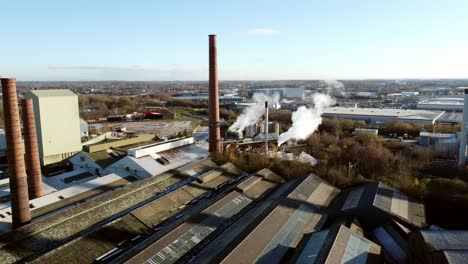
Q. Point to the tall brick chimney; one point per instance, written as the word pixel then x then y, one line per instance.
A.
pixel 213 101
pixel 15 154
pixel 33 164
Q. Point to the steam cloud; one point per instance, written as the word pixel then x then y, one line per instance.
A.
pixel 335 88
pixel 252 114
pixel 306 120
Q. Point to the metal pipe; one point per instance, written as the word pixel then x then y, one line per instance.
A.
pixel 213 101
pixel 15 154
pixel 464 132
pixel 266 127
pixel 33 164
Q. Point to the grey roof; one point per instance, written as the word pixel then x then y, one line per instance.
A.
pixel 140 220
pixel 212 220
pixel 338 244
pixel 446 239
pixel 426 246
pixel 392 237
pixel 298 213
pixel 456 256
pixel 51 231
pixel 389 202
pixel 397 113
pixel 438 135
pixel 451 117
pixel 188 239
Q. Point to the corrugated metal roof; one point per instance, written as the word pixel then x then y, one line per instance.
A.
pixel 456 256
pixel 58 196
pixel 298 213
pixel 383 197
pixel 150 167
pixel 400 205
pixel 396 251
pixel 286 235
pixel 177 248
pixel 338 244
pixel 314 191
pixel 451 117
pixel 312 247
pixel 446 239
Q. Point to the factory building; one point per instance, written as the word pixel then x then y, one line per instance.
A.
pixel 297 214
pixel 454 104
pixel 367 94
pixel 158 114
pixel 439 140
pixel 84 130
pixel 223 98
pixel 451 118
pixel 365 131
pixel 57 124
pixel 410 93
pixel 254 130
pixel 208 222
pixel 282 92
pixel 378 116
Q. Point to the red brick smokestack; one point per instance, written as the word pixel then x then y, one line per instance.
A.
pixel 15 155
pixel 213 101
pixel 33 164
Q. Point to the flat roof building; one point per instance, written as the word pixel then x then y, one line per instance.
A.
pixel 439 140
pixel 282 92
pixel 444 104
pixel 378 116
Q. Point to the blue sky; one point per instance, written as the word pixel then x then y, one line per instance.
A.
pixel 167 40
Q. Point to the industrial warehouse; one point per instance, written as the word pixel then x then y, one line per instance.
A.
pixel 139 199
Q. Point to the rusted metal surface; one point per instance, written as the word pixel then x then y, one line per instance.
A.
pixel 213 101
pixel 15 153
pixel 33 164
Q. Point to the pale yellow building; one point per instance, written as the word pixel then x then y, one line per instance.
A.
pixel 57 124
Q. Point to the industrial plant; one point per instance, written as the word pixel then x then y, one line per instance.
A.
pixel 130 195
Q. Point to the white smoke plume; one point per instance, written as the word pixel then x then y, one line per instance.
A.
pixel 306 120
pixel 253 113
pixel 335 88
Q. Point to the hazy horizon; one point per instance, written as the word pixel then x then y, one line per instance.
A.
pixel 240 80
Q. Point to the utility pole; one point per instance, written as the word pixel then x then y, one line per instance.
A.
pixel 350 166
